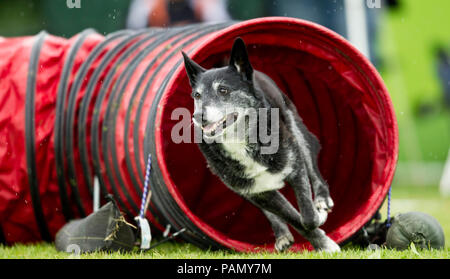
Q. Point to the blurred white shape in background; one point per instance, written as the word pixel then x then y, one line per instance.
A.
pixel 205 11
pixel 138 13
pixel 212 10
pixel 445 180
pixel 356 22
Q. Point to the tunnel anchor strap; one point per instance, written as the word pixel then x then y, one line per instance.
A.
pixel 142 222
pixel 146 234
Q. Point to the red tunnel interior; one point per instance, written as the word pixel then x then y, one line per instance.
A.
pixel 342 100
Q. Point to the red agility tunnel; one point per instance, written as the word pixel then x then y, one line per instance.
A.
pixel 97 106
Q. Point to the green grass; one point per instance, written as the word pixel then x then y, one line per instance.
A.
pixel 188 251
pixel 425 199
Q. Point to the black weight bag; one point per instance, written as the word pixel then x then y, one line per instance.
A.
pixel 103 230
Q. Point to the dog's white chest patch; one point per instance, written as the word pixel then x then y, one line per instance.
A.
pixel 264 180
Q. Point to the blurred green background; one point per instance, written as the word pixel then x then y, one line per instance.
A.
pixel 28 17
pixel 408 38
pixel 407 41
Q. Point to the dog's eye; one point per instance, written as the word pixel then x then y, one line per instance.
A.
pixel 223 90
pixel 196 95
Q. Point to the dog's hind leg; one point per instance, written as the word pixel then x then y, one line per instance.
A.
pixel 300 183
pixel 277 204
pixel 322 198
pixel 283 237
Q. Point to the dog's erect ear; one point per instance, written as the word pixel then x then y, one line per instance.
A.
pixel 192 69
pixel 239 59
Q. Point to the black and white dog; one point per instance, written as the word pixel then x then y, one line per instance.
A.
pixel 223 98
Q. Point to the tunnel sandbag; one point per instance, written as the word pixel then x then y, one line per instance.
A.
pixel 103 230
pixel 98 106
pixel 417 228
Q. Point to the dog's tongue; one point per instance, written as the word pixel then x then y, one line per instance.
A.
pixel 217 127
pixel 211 127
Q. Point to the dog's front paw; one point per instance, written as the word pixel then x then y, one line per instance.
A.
pixel 324 203
pixel 284 242
pixel 329 246
pixel 323 206
pixel 322 243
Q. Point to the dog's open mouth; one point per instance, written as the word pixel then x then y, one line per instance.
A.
pixel 216 128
